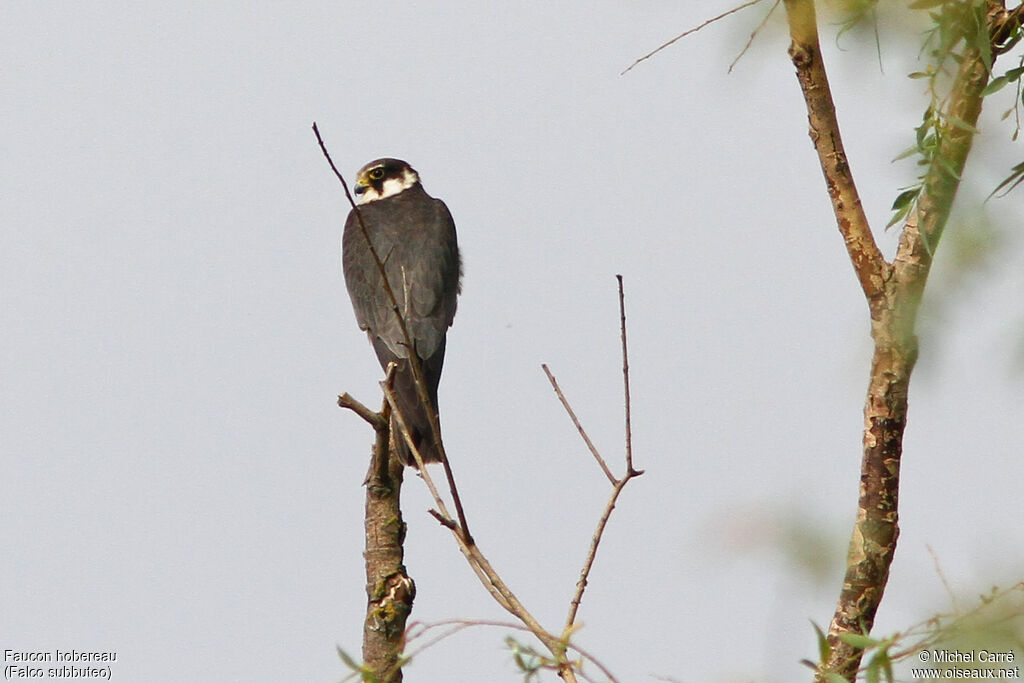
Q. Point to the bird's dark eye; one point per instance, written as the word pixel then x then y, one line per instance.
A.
pixel 376 173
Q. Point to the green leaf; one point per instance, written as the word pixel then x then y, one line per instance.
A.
pixel 906 198
pixel 1014 74
pixel 834 678
pixel 919 74
pixel 824 648
pixel 921 131
pixel 898 216
pixel 1015 178
pixel 871 673
pixel 908 152
pixel 926 243
pixel 957 122
pixel 857 640
pixel 947 167
pixel 886 663
pixel 879 665
pixel 349 662
pixel 982 40
pixel 995 85
pixel 925 4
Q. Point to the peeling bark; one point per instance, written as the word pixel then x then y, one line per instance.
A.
pixel 893 293
pixel 389 589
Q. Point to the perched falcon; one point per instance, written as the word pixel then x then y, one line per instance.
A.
pixel 414 236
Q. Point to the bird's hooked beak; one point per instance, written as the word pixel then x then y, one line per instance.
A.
pixel 360 188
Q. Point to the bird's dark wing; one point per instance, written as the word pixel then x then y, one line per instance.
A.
pixel 414 236
pixel 433 274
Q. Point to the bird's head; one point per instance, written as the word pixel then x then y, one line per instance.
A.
pixel 384 178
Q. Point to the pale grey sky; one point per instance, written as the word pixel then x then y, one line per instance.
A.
pixel 181 488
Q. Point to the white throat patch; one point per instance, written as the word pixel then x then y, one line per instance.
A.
pixel 391 187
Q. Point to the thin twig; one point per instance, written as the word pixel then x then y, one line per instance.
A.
pixel 442 514
pixel 480 565
pixel 446 522
pixel 579 427
pixel 399 417
pixel 753 34
pixel 686 33
pixel 420 629
pixel 337 173
pixel 625 378
pixel 588 563
pixel 618 485
pixel 942 577
pixel 456 499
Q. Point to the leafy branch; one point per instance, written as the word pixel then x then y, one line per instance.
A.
pixel 997 620
pixel 961 31
pixel 963 46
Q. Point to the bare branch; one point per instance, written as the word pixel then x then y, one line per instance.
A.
pixel 477 561
pixel 753 34
pixel 444 521
pixel 942 577
pixel 337 173
pixel 389 590
pixel 588 563
pixel 450 476
pixel 396 413
pixel 805 51
pixel 595 541
pixel 686 33
pixel 579 427
pixel 625 379
pixel 375 420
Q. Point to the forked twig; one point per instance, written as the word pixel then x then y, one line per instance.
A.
pixel 617 484
pixel 682 35
pixel 753 34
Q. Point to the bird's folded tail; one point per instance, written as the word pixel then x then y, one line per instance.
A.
pixel 417 420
